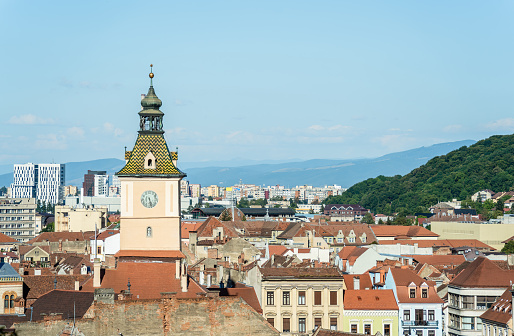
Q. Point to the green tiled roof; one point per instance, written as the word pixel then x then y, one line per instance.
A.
pixel 156 144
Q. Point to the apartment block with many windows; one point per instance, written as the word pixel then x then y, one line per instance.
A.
pixel 18 218
pixel 298 300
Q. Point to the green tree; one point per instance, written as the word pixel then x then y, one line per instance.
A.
pixel 3 191
pixel 225 216
pixel 508 248
pixel 368 219
pixel 243 203
pixel 50 227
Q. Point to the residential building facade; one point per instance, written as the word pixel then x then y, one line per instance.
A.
pixel 45 182
pixel 18 218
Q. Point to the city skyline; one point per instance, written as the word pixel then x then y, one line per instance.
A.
pixel 274 81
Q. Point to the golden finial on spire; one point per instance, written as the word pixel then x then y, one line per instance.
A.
pixel 151 71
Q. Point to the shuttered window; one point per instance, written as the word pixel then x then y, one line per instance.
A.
pixel 286 324
pixel 317 298
pixel 333 298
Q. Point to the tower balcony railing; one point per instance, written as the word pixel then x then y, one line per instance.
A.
pixel 420 323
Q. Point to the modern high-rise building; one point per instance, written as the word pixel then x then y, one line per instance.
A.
pixel 88 186
pixel 101 187
pixel 45 182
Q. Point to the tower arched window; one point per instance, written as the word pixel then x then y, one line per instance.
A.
pixel 149 231
pixel 150 163
pixel 6 301
pixel 12 301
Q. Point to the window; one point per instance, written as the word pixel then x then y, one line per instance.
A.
pixel 270 298
pixel 419 332
pixel 454 321
pixel 301 298
pixel 387 330
pixel 301 324
pixel 468 323
pixel 12 301
pixel 149 231
pixel 149 162
pixel 333 298
pixel 286 298
pixel 6 301
pixel 454 299
pixel 351 239
pixel 485 302
pixel 424 293
pixel 406 315
pixel 286 324
pixel 367 329
pixel 412 293
pixel 271 321
pixel 317 298
pixel 317 322
pixel 467 302
pixel 354 328
pixel 431 333
pixel 339 240
pixel 431 315
pixel 333 323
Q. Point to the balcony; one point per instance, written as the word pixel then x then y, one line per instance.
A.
pixel 418 323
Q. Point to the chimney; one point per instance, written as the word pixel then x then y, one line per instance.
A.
pixel 202 278
pixel 183 276
pixel 356 283
pixel 512 301
pixel 37 271
pixel 177 269
pixel 209 280
pixel 96 273
pixel 77 285
pixel 21 271
pixel 193 240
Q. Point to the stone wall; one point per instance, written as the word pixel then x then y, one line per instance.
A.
pixel 170 316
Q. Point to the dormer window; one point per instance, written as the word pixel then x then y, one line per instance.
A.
pixel 150 161
pixel 412 293
pixel 424 293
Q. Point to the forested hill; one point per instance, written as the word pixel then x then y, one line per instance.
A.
pixel 488 164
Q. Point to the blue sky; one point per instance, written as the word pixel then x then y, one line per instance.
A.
pixel 262 80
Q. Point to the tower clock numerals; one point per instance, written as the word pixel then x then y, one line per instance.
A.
pixel 149 199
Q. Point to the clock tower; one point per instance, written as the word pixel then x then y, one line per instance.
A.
pixel 150 189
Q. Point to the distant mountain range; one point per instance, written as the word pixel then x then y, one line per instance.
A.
pixel 317 172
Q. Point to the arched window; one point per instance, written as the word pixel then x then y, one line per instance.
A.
pixel 149 162
pixel 6 301
pixel 149 231
pixel 12 301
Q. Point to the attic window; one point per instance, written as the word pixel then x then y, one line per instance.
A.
pixel 424 293
pixel 412 293
pixel 150 163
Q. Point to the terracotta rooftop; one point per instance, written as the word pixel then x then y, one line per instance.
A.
pixel 501 310
pixel 364 281
pixel 247 293
pixel 378 299
pixel 5 239
pixel 452 243
pixel 440 260
pixel 188 227
pixel 403 277
pixel 211 223
pixel 148 280
pixel 107 233
pixel 300 272
pixel 484 273
pixel 277 249
pixel 150 254
pixel 400 230
pixel 24 249
pixel 69 303
pixel 64 236
pixel 41 284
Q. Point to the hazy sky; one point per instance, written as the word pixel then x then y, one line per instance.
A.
pixel 260 80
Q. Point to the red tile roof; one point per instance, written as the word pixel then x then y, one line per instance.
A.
pixel 188 227
pixel 207 228
pixel 107 233
pixel 378 299
pixel 440 260
pixel 64 236
pixel 403 277
pixel 364 281
pixel 5 239
pixel 277 249
pixel 148 280
pixel 42 284
pixel 150 254
pixel 439 243
pixel 300 272
pixel 69 303
pixel 501 310
pixel 247 293
pixel 483 273
pixel 400 230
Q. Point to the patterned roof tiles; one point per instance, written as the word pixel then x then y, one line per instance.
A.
pixel 156 144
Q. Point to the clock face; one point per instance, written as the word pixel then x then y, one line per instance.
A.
pixel 149 199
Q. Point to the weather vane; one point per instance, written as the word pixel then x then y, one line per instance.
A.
pixel 151 74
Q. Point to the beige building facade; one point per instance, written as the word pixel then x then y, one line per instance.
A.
pixel 79 219
pixel 18 218
pixel 297 300
pixel 490 234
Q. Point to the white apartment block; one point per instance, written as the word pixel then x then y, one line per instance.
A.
pixel 45 182
pixel 18 218
pixel 101 185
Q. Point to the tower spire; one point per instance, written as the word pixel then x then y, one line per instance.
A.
pixel 151 75
pixel 150 117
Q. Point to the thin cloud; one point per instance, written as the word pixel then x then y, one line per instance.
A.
pixel 29 119
pixel 452 128
pixel 501 124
